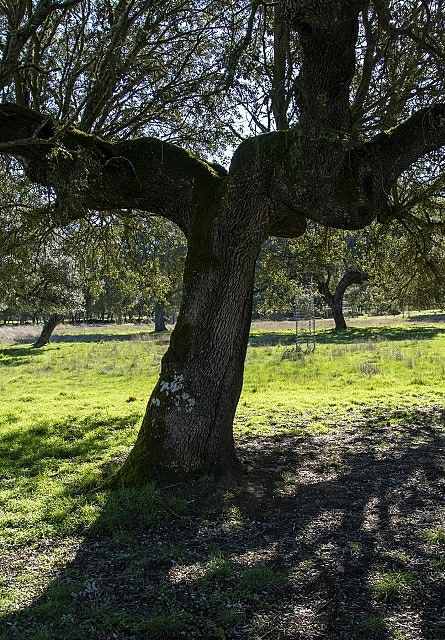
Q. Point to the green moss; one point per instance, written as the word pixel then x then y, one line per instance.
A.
pixel 275 145
pixel 142 464
pixel 151 154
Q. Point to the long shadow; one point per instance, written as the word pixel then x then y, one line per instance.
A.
pixel 162 337
pixel 11 356
pixel 295 550
pixel 351 335
pixel 269 338
pixel 433 317
pixel 363 334
pixel 110 337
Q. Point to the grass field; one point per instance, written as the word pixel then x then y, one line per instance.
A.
pixel 336 529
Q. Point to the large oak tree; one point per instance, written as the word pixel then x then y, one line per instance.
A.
pixel 336 165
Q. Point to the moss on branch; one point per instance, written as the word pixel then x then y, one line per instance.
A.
pixel 84 169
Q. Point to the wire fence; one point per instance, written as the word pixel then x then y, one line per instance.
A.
pixel 305 336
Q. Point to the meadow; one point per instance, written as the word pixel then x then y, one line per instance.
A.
pixel 336 529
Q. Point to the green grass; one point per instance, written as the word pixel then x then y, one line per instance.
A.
pixel 68 415
pixel 398 367
pixel 435 535
pixel 70 412
pixel 392 585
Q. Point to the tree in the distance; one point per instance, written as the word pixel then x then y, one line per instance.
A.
pixel 336 165
pixel 335 299
pixel 325 260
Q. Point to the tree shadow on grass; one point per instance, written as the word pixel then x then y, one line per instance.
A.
pixel 27 453
pixel 12 356
pixel 433 317
pixel 160 338
pixel 93 336
pixel 351 335
pixel 364 334
pixel 324 537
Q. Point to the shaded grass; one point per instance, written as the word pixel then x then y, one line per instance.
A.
pixel 158 564
pixel 315 553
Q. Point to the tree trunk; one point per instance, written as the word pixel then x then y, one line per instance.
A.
pixel 335 300
pixel 188 426
pixel 337 314
pixel 159 317
pixel 47 330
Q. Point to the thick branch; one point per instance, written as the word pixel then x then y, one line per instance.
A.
pixel 328 32
pixel 399 148
pixel 335 300
pixel 350 277
pixel 87 171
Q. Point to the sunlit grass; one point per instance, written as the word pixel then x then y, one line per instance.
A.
pixel 392 585
pixel 69 413
pixel 346 373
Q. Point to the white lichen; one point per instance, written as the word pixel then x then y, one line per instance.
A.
pixel 172 387
pixel 173 390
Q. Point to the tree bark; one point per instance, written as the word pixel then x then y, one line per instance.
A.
pixel 159 317
pixel 188 426
pixel 48 329
pixel 337 314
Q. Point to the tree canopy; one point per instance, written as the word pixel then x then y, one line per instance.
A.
pixel 346 98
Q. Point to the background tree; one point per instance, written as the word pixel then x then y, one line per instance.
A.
pixel 325 260
pixel 113 263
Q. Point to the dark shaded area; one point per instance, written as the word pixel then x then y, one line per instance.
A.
pixel 269 338
pixel 12 356
pixel 351 335
pixel 363 334
pixel 99 336
pixel 433 317
pixel 294 550
pixel 112 337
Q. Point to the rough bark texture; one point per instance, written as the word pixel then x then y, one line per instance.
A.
pixel 48 329
pixel 187 428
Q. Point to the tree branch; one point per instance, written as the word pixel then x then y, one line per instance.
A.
pixel 89 172
pixel 399 148
pixel 17 38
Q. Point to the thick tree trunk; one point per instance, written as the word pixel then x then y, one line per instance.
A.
pixel 47 330
pixel 188 426
pixel 159 317
pixel 337 314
